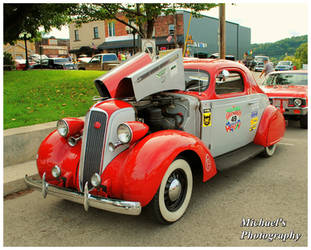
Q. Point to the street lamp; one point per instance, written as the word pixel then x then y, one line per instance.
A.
pixel 25 36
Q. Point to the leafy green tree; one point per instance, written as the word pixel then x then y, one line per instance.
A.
pixel 296 61
pixel 141 16
pixel 302 53
pixel 279 49
pixel 28 18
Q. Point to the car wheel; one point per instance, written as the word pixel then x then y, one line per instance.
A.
pixel 269 151
pixel 173 196
pixel 304 121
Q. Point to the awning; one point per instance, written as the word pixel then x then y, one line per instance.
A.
pixel 118 44
pixel 160 41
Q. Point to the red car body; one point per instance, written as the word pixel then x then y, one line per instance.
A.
pixel 288 91
pixel 133 177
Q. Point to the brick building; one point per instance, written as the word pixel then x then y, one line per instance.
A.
pixel 169 32
pixel 53 47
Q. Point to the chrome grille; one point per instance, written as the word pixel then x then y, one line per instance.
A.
pixel 92 149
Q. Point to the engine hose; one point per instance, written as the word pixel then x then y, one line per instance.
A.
pixel 174 116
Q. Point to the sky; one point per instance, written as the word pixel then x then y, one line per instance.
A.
pixel 269 22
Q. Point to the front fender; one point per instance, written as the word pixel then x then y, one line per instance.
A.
pixel 137 172
pixel 271 128
pixel 54 150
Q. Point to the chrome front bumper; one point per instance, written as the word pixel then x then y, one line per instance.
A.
pixel 88 200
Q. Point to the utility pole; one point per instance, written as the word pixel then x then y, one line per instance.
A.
pixel 222 31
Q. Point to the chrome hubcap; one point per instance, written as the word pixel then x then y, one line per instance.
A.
pixel 174 190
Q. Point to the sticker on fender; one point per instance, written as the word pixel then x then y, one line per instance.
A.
pixel 254 121
pixel 207 118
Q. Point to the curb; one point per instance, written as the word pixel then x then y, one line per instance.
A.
pixel 20 146
pixel 14 177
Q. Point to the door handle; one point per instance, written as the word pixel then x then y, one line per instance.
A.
pixel 251 103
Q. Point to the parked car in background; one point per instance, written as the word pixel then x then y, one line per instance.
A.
pixel 259 66
pixel 55 63
pixel 100 62
pixel 155 124
pixel 284 65
pixel 288 91
pixel 20 64
pixel 84 59
pixel 260 58
pixel 36 57
pixel 228 57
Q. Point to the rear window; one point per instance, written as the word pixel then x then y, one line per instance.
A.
pixel 287 79
pixel 109 58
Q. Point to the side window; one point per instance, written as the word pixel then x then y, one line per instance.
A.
pixel 229 82
pixel 196 80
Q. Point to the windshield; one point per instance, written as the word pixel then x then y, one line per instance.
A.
pixel 284 63
pixel 288 79
pixel 61 60
pixel 261 58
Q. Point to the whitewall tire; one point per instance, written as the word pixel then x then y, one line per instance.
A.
pixel 173 196
pixel 269 151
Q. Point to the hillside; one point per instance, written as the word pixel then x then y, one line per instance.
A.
pixel 279 49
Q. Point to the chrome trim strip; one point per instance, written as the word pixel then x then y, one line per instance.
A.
pixel 88 200
pixel 286 97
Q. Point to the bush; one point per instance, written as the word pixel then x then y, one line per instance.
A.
pixel 8 62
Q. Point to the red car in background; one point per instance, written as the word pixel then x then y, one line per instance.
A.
pixel 288 91
pixel 21 64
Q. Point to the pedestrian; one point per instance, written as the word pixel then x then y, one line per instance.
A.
pixel 267 68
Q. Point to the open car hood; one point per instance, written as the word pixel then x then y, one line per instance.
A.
pixel 140 77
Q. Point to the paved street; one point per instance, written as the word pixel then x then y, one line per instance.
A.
pixel 260 188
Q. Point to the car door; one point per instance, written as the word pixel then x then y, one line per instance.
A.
pixel 230 119
pixel 95 63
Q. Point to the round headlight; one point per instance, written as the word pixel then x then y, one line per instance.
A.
pixel 56 171
pixel 298 102
pixel 124 133
pixel 95 180
pixel 62 128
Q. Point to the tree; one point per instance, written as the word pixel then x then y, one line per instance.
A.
pixel 7 61
pixel 140 16
pixel 296 61
pixel 302 53
pixel 28 18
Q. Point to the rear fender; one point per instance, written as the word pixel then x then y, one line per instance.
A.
pixel 136 173
pixel 271 128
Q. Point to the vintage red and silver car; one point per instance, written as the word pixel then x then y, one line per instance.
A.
pixel 155 124
pixel 288 91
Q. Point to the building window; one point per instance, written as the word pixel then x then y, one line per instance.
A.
pixel 95 29
pixel 52 42
pixel 111 29
pixel 76 35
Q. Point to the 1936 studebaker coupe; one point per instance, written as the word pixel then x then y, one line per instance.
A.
pixel 288 91
pixel 155 124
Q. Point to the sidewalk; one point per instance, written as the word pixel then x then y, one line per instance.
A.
pixel 20 146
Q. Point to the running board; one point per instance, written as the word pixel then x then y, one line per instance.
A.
pixel 238 156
